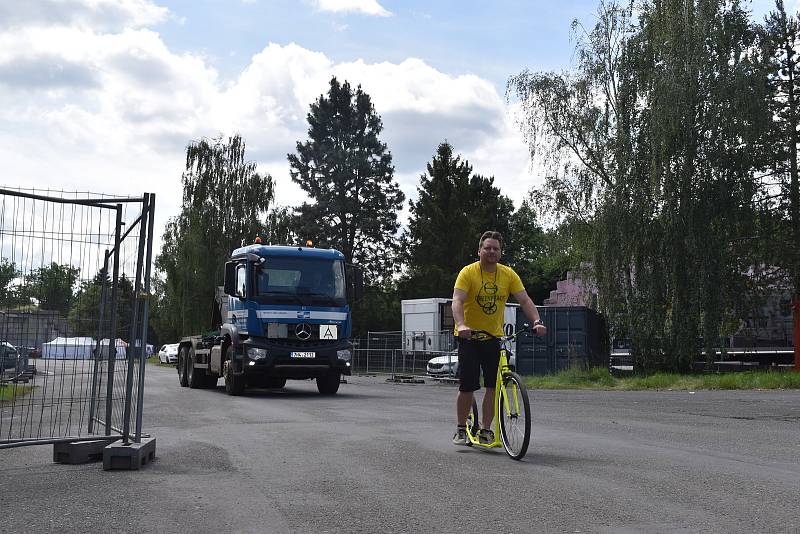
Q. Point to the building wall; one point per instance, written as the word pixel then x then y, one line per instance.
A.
pixel 31 328
pixel 574 291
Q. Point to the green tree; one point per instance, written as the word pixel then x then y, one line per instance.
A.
pixel 378 311
pixel 52 286
pixel 453 208
pixel 8 273
pixel 347 172
pixel 543 257
pixel 649 142
pixel 84 314
pixel 488 209
pixel 280 227
pixel 781 40
pixel 225 205
pixel 165 327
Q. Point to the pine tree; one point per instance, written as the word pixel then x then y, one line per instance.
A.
pixel 453 208
pixel 347 172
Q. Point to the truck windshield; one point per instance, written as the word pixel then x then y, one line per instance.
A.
pixel 309 282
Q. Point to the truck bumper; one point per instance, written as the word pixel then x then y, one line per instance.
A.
pixel 293 370
pixel 296 362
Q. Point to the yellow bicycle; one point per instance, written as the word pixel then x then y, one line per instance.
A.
pixel 512 409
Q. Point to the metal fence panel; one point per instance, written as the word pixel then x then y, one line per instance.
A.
pixel 74 277
pixel 398 352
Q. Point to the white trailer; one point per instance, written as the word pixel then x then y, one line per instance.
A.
pixel 428 324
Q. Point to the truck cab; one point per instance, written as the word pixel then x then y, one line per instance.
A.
pixel 287 317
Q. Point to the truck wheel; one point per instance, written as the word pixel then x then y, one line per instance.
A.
pixel 234 384
pixel 273 382
pixel 328 384
pixel 194 377
pixel 182 363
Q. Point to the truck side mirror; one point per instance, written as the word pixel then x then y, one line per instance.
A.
pixel 230 279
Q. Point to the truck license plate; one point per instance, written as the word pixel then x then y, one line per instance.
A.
pixel 303 355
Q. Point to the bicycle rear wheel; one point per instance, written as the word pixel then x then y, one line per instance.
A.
pixel 473 424
pixel 515 416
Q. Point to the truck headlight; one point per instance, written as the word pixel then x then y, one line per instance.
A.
pixel 256 354
pixel 345 354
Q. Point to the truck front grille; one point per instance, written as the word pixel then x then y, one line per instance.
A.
pixel 287 331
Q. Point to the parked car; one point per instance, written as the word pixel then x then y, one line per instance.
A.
pixel 9 355
pixel 168 353
pixel 447 365
pixel 12 363
pixel 443 366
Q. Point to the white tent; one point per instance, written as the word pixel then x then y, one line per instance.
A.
pixel 68 348
pixel 122 347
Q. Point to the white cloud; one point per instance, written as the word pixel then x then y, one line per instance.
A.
pixel 420 107
pixel 367 7
pixel 99 15
pixel 113 112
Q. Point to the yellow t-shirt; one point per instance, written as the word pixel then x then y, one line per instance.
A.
pixel 487 293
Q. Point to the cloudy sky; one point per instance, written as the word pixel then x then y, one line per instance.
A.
pixel 104 95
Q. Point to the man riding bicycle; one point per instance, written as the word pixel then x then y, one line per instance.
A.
pixel 479 300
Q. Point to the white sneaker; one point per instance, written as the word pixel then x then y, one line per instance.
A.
pixel 460 437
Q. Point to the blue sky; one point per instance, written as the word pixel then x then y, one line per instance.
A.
pixel 104 95
pixel 492 39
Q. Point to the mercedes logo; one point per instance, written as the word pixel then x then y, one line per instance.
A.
pixel 302 331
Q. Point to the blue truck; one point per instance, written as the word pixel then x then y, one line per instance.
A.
pixel 286 317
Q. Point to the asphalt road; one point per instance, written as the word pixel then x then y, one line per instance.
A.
pixel 377 458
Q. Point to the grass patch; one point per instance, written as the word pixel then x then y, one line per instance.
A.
pixel 599 378
pixel 11 391
pixel 155 361
pixel 574 378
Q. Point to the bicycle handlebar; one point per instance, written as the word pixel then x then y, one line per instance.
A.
pixel 526 328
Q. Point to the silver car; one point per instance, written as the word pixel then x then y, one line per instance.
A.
pixel 443 366
pixel 447 365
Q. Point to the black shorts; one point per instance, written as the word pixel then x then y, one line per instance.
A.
pixel 474 356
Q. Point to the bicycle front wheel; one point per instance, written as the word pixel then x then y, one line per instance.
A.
pixel 515 416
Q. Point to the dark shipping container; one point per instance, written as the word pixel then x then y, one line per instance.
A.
pixel 576 335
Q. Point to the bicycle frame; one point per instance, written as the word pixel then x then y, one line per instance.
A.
pixel 511 400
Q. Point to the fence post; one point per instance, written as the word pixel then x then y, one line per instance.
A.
pixel 112 350
pixel 126 418
pixel 796 329
pixel 145 318
pixel 98 352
